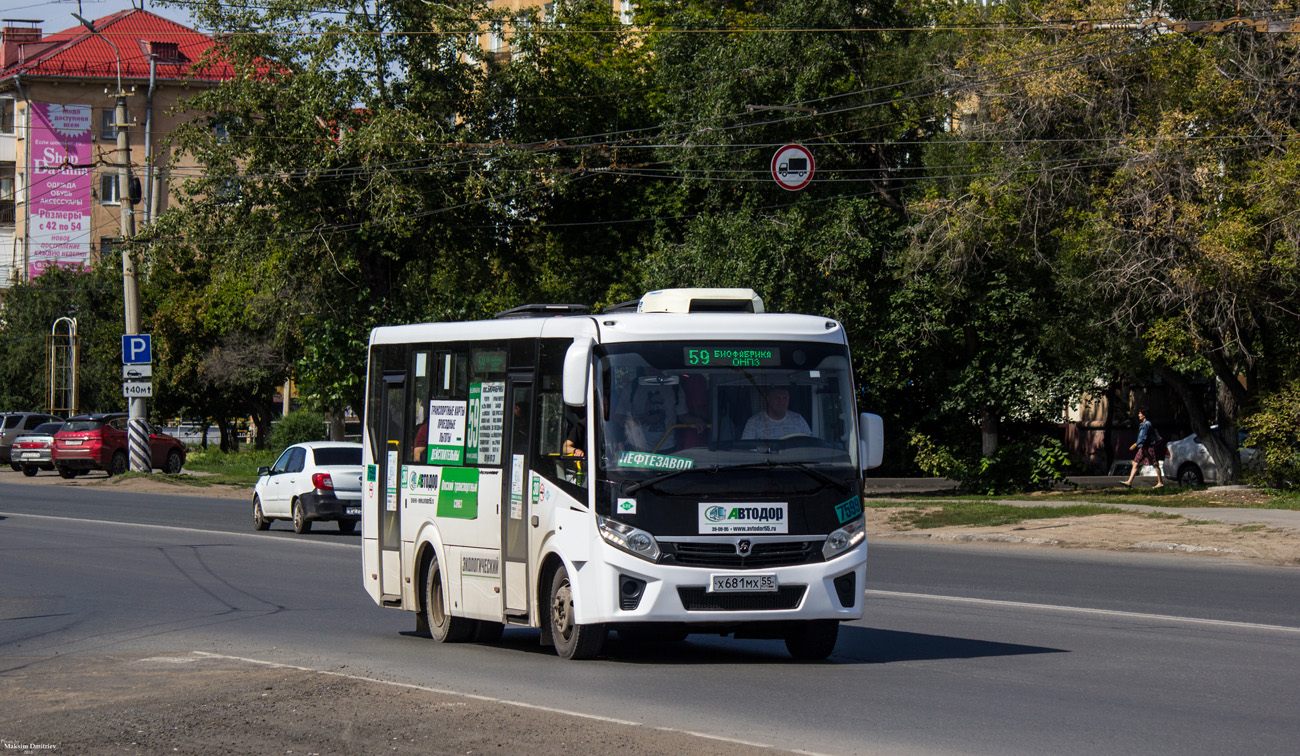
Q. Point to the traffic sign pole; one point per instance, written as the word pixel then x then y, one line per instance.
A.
pixel 137 369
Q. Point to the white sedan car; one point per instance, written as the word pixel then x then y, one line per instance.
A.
pixel 318 480
pixel 1190 463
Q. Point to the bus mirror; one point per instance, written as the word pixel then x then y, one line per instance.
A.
pixel 575 371
pixel 871 440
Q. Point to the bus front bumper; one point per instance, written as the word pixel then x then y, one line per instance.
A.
pixel 636 591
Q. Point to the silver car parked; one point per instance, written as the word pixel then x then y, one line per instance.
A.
pixel 1190 462
pixel 14 425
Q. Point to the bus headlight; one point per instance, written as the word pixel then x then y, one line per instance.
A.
pixel 630 539
pixel 845 538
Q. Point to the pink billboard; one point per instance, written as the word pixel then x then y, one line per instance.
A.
pixel 59 196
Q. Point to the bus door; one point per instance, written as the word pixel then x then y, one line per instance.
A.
pixel 514 506
pixel 390 483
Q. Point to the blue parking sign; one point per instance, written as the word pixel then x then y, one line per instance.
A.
pixel 137 349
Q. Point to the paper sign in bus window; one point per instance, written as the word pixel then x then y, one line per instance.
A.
pixel 446 432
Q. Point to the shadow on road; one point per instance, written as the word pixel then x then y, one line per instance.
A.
pixel 889 646
pixel 857 645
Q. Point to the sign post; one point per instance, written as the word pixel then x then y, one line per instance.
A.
pixel 137 375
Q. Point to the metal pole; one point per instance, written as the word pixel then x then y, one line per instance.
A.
pixel 138 426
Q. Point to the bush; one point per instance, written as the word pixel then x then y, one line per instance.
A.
pixel 1274 432
pixel 296 427
pixel 1014 468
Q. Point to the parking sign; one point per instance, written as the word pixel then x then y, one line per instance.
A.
pixel 137 349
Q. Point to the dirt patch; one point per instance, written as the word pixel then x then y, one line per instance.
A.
pixel 1135 531
pixel 198 705
pixel 152 485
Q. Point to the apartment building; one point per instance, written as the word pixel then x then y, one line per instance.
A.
pixel 497 41
pixel 59 158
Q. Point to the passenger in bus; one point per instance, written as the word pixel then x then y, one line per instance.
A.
pixel 659 410
pixel 421 441
pixel 776 420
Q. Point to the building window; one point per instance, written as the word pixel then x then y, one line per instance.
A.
pixel 625 11
pixel 108 189
pixel 107 246
pixel 107 121
pixel 6 116
pixel 7 193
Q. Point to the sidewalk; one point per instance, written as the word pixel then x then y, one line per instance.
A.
pixel 1272 518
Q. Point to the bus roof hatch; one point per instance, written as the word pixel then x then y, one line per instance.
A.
pixel 701 300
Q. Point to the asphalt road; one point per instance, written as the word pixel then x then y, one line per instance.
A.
pixel 964 650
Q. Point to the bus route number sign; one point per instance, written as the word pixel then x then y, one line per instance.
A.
pixel 731 357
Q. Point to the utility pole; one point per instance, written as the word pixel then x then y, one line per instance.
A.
pixel 138 428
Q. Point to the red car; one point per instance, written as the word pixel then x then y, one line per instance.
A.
pixel 99 442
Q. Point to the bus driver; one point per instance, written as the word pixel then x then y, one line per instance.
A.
pixel 776 420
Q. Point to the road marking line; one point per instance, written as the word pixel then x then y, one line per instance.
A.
pixel 86 520
pixel 504 701
pixel 1085 610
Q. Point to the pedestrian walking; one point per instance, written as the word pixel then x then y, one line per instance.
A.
pixel 1149 451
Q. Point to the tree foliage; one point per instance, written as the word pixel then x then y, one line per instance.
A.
pixel 1009 205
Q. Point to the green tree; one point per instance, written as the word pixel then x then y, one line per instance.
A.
pixel 1143 172
pixel 92 296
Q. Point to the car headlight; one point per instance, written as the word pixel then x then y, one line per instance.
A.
pixel 845 538
pixel 632 540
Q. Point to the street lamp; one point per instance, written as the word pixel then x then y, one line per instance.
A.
pixel 138 439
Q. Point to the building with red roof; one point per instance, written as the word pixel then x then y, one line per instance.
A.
pixel 59 157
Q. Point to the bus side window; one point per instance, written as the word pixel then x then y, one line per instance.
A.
pixel 556 420
pixel 417 424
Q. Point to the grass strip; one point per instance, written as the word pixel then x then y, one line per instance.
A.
pixel 939 514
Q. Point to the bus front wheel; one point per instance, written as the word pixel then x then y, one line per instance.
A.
pixel 572 641
pixel 442 626
pixel 813 640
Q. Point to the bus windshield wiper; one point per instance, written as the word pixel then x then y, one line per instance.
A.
pixel 803 466
pixel 766 464
pixel 637 486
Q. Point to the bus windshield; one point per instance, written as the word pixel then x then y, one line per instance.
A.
pixel 677 405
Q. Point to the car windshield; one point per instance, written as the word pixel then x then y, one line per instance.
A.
pixel 679 405
pixel 338 456
pixel 12 420
pixel 46 429
pixel 74 426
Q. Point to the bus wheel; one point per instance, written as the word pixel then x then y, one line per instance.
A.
pixel 572 641
pixel 442 626
pixel 813 640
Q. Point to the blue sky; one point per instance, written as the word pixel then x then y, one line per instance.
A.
pixel 57 14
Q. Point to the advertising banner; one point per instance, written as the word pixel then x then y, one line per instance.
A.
pixel 59 194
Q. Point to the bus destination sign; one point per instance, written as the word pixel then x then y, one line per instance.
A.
pixel 732 356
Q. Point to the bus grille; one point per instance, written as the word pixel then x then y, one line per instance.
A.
pixel 724 556
pixel 700 600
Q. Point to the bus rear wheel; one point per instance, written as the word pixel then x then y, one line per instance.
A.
pixel 442 626
pixel 812 640
pixel 572 641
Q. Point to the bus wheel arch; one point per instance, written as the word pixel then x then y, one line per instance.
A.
pixel 572 640
pixel 443 627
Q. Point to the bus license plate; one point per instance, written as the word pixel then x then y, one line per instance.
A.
pixel 742 583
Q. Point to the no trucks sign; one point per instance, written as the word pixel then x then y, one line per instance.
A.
pixel 792 167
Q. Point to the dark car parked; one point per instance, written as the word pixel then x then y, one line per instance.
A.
pixel 99 442
pixel 16 424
